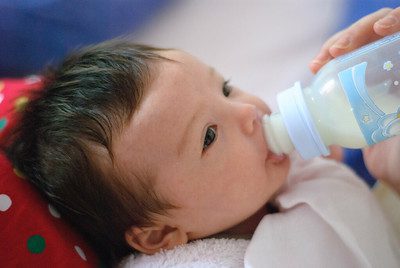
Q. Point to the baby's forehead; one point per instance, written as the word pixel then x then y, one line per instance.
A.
pixel 176 55
pixel 181 62
pixel 170 98
pixel 175 86
pixel 176 76
pixel 164 103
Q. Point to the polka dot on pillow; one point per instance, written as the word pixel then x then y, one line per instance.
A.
pixel 3 123
pixel 5 202
pixel 32 79
pixel 34 230
pixel 80 253
pixel 36 244
pixel 54 212
pixel 20 103
pixel 18 173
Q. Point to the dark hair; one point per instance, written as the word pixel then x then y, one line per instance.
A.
pixel 63 143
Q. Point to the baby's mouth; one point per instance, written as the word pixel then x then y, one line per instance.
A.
pixel 275 158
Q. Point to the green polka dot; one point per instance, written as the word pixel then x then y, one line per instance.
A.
pixel 36 244
pixel 3 123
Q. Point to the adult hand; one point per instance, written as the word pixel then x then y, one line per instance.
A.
pixel 372 27
pixel 383 159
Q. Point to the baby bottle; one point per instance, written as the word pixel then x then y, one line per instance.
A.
pixel 353 101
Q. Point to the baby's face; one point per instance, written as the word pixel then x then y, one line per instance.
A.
pixel 203 141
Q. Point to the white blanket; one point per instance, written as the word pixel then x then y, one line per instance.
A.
pixel 212 252
pixel 327 218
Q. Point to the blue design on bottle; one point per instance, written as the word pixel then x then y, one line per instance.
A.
pixel 375 125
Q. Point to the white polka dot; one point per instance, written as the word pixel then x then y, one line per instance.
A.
pixel 32 79
pixel 80 253
pixel 396 83
pixel 1 97
pixel 5 202
pixel 53 211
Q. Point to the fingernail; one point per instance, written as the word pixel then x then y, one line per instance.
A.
pixel 342 43
pixel 315 66
pixel 320 58
pixel 387 22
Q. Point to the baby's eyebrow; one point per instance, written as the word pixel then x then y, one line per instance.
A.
pixel 184 140
pixel 213 72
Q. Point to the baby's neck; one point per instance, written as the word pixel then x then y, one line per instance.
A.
pixel 246 228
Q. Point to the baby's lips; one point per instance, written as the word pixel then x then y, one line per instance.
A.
pixel 275 158
pixel 259 115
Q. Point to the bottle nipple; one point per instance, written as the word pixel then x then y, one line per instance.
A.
pixel 276 135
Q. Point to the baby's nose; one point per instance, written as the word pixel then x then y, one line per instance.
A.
pixel 248 116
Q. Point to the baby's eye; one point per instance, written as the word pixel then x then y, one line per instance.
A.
pixel 210 136
pixel 226 88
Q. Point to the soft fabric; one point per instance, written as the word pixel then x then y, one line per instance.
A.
pixel 390 203
pixel 328 218
pixel 32 233
pixel 207 253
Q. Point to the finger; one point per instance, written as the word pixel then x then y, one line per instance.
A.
pixel 389 24
pixel 324 56
pixel 360 33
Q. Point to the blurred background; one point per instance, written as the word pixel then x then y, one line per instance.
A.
pixel 263 46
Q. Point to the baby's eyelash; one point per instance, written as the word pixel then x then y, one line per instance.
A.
pixel 210 136
pixel 226 88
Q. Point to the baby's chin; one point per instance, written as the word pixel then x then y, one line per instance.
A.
pixel 281 171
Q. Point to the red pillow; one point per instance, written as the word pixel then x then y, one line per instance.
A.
pixel 32 232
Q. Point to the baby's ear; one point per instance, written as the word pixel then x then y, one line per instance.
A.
pixel 152 239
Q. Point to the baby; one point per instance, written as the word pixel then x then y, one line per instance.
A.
pixel 144 148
